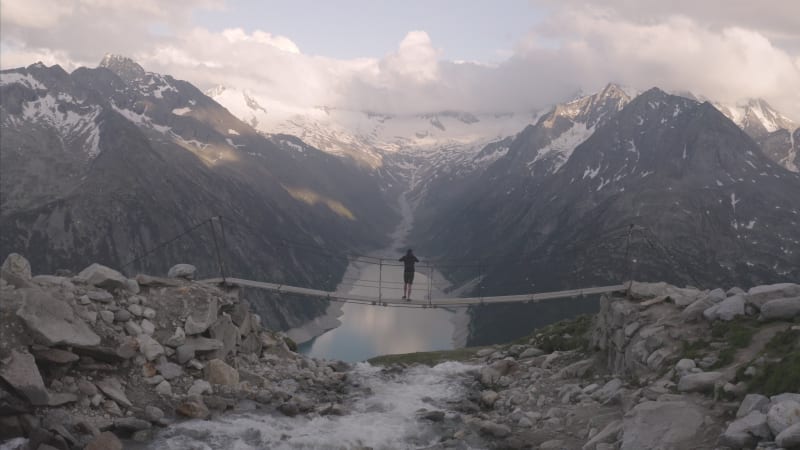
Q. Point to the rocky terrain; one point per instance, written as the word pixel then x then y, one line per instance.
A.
pixel 100 361
pixel 665 368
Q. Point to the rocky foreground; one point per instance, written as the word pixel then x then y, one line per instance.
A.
pixel 95 360
pixel 99 361
pixel 663 368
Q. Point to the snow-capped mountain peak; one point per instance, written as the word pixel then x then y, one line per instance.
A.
pixel 125 68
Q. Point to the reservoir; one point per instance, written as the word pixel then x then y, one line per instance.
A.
pixel 367 331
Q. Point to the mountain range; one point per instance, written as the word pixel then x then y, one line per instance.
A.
pixel 105 163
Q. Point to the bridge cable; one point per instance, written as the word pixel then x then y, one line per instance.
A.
pixel 165 243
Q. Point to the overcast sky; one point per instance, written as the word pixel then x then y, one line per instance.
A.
pixel 416 56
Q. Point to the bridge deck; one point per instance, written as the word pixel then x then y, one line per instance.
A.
pixel 422 302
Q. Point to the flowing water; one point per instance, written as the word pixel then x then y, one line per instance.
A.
pixel 384 416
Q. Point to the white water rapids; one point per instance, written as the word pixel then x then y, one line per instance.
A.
pixel 386 418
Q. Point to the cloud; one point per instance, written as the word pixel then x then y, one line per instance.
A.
pixel 718 49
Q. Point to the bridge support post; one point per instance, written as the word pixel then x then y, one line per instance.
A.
pixel 216 247
pixel 380 280
pixel 430 283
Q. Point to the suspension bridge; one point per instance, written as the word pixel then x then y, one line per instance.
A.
pixel 373 291
pixel 420 303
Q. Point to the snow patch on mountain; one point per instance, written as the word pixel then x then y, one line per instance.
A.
pixel 21 78
pixel 141 120
pixel 560 149
pixel 70 120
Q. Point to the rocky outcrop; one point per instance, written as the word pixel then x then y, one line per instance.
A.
pixel 652 376
pixel 54 322
pixel 19 370
pixel 666 424
pixel 110 358
pixel 186 271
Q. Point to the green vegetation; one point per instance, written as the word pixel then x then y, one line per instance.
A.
pixel 290 343
pixel 694 349
pixel 426 358
pixel 564 335
pixel 780 375
pixel 735 334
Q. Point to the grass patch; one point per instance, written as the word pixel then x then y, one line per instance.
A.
pixel 426 358
pixel 736 333
pixel 561 336
pixel 694 349
pixel 782 375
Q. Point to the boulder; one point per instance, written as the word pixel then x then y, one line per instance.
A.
pixel 56 356
pixel 105 441
pixel 147 327
pixel 54 322
pixel 789 437
pixel 753 402
pixel 494 429
pixel 113 389
pixel 786 396
pixel 488 398
pixel 217 372
pixel 699 382
pixel 100 295
pixel 149 347
pixel 200 387
pixel 669 424
pixel 784 308
pixel 104 277
pixel 726 310
pixel 153 413
pixel 225 331
pixel 782 415
pixel 759 295
pixel 695 310
pixel 186 271
pixel 608 435
pixel 107 317
pixel 193 408
pixel 747 431
pixel 184 353
pixel 19 370
pixel 531 352
pixel 177 339
pixel 201 344
pixel 17 265
pixel 164 389
pixel 61 398
pixel 203 315
pixel 608 390
pixel 169 370
pixel 131 424
pixel 684 366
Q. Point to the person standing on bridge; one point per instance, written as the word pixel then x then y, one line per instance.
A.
pixel 408 274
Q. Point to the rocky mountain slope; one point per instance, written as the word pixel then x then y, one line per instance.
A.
pixel 709 207
pixel 105 164
pixel 774 133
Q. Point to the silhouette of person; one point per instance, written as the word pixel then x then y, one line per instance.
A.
pixel 408 274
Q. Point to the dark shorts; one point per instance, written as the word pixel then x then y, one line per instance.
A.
pixel 408 277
